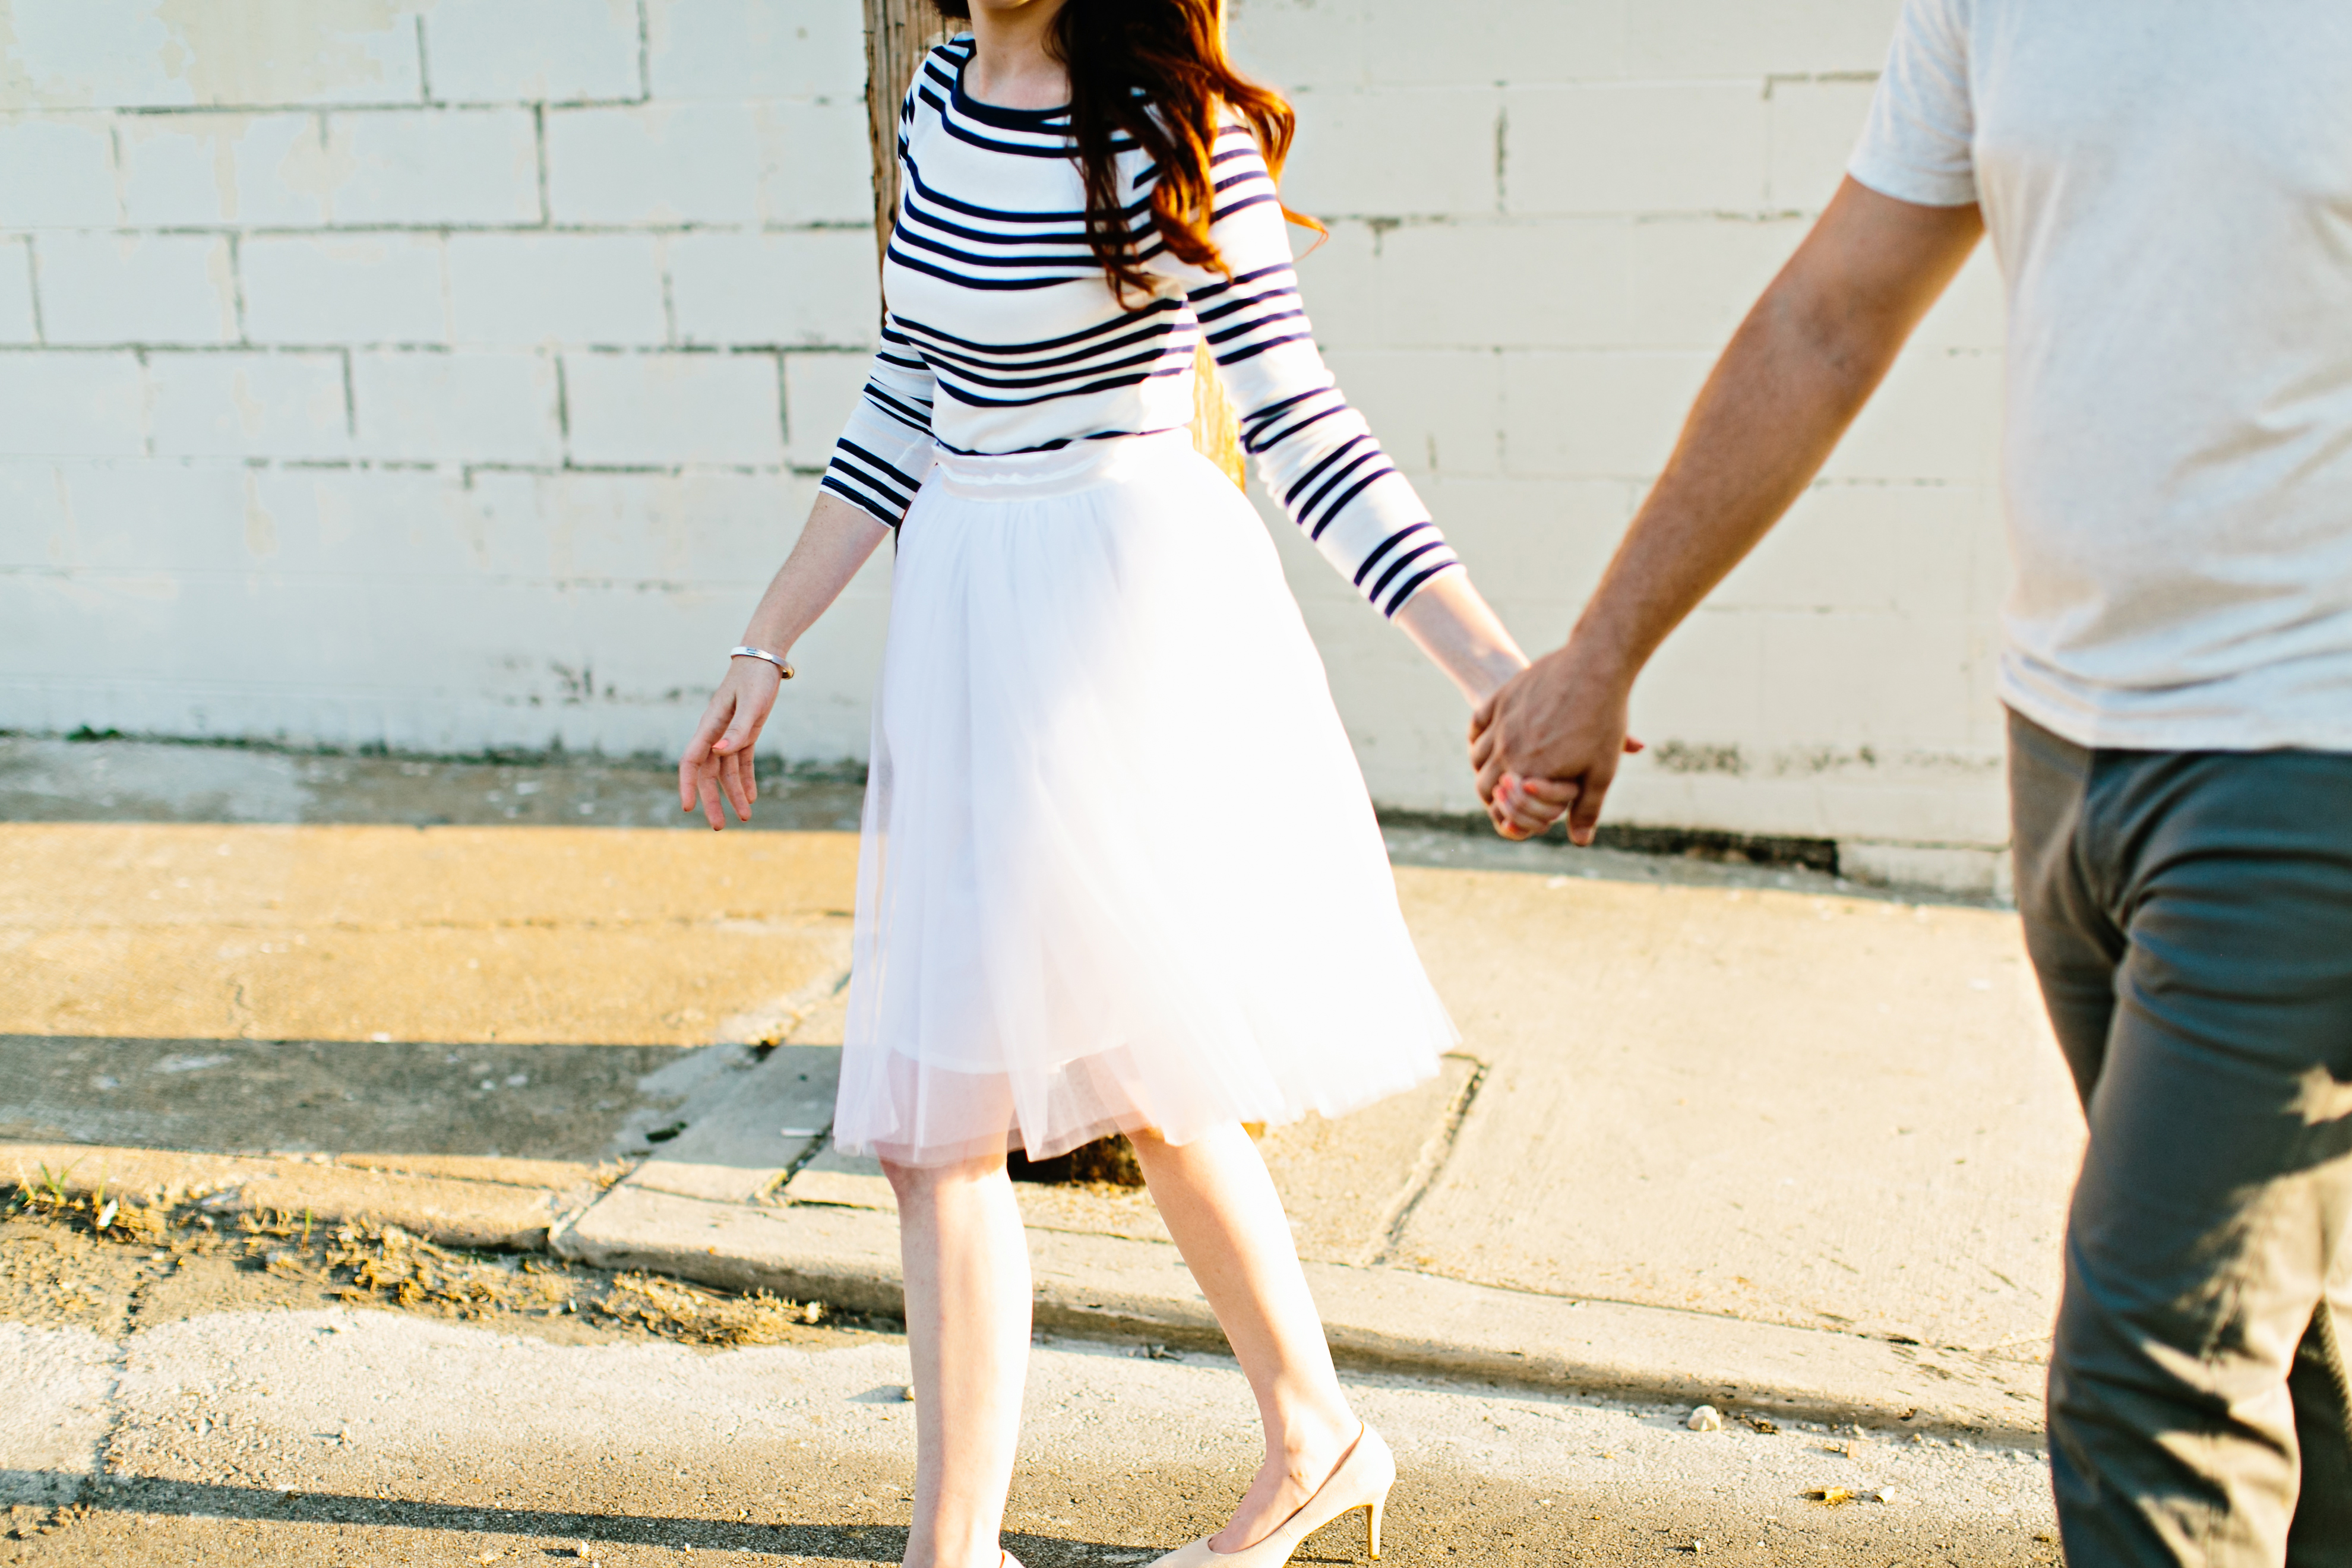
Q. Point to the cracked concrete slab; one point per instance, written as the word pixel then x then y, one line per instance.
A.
pixel 739 1149
pixel 1789 1107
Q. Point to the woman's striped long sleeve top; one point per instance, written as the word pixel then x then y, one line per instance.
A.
pixel 1002 335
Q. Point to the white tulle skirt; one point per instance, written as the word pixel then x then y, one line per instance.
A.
pixel 1119 868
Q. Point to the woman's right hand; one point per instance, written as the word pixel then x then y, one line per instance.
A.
pixel 718 760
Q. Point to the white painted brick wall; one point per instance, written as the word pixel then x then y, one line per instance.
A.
pixel 247 404
pixel 222 170
pixel 119 288
pixel 755 49
pixel 817 388
pixel 308 290
pixel 1812 125
pixel 1635 147
pixel 526 325
pixel 441 166
pixel 1650 168
pixel 17 324
pixel 77 405
pixel 776 288
pixel 1384 150
pixel 814 164
pixel 666 410
pixel 56 173
pixel 599 288
pixel 146 54
pixel 471 405
pixel 559 51
pixel 660 164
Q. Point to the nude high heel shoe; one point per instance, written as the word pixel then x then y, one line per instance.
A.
pixel 1361 1481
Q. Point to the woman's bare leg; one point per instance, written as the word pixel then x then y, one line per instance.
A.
pixel 1227 1219
pixel 967 1269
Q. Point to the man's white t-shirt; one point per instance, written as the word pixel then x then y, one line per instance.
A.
pixel 2167 185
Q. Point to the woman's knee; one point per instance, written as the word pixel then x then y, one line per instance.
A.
pixel 910 1184
pixel 1214 1149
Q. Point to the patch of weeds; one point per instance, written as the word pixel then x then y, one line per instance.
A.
pixel 367 1265
pixel 26 1521
pixel 364 1264
pixel 109 1218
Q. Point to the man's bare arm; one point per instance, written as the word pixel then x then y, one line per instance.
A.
pixel 1800 368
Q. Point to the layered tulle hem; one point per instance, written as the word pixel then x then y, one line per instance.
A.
pixel 1119 868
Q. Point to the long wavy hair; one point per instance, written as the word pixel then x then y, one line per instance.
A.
pixel 1155 71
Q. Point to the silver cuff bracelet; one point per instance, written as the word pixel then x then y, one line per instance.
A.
pixel 747 651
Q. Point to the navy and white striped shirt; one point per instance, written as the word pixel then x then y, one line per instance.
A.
pixel 1002 335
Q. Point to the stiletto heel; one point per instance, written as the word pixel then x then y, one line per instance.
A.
pixel 1361 1480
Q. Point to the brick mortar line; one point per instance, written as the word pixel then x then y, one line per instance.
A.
pixel 392 346
pixel 322 348
pixel 847 92
pixel 752 347
pixel 677 922
pixel 850 90
pixel 754 228
pixel 646 57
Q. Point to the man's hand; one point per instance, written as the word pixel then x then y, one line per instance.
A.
pixel 1554 733
pixel 1800 366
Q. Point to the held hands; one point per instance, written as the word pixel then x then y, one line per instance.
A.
pixel 718 760
pixel 1548 743
pixel 1522 808
pixel 1526 787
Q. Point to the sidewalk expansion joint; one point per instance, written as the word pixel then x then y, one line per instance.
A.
pixel 816 1146
pixel 1389 1235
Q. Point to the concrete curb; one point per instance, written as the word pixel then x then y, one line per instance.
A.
pixel 459 1201
pixel 1382 1318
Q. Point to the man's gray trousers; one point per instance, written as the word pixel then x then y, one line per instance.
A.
pixel 2189 916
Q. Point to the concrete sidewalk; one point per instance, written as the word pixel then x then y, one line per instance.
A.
pixel 1731 1133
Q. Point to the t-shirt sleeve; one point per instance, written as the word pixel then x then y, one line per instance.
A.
pixel 1314 452
pixel 1916 145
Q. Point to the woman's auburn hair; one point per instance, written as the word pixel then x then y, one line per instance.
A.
pixel 1155 71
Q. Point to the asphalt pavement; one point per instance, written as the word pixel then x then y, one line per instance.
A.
pixel 331 1436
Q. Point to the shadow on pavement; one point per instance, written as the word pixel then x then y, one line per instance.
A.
pixel 847 1543
pixel 114 780
pixel 239 1096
